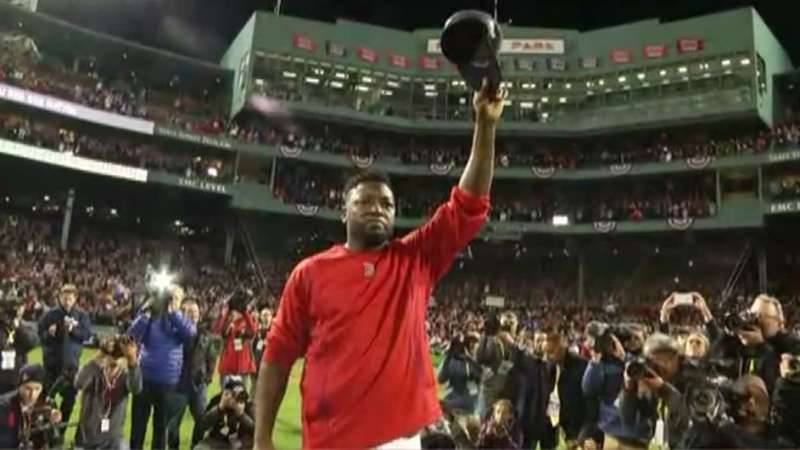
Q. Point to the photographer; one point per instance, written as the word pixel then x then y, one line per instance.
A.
pixel 495 356
pixel 29 422
pixel 200 357
pixel 743 424
pixel 105 383
pixel 651 405
pixel 62 331
pixel 687 302
pixel 601 384
pixel 773 325
pixel 16 340
pixel 461 373
pixel 228 421
pixel 237 328
pixel 745 342
pixel 161 330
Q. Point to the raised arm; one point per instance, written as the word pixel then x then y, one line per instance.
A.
pixel 478 174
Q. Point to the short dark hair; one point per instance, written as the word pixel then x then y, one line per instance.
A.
pixel 366 176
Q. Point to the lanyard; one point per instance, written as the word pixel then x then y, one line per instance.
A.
pixel 108 392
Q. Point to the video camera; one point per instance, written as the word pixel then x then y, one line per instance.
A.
pixel 714 400
pixel 114 346
pixel 240 299
pixel 159 292
pixel 42 433
pixel 737 321
pixel 600 333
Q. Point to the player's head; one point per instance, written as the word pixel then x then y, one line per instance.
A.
pixel 369 209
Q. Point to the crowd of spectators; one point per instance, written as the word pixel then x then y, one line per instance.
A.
pixel 150 156
pixel 680 198
pixel 128 96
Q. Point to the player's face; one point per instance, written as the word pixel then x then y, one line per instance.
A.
pixel 370 212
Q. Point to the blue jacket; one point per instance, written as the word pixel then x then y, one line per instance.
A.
pixel 603 383
pixel 459 373
pixel 64 349
pixel 161 340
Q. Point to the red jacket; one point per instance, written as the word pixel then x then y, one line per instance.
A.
pixel 359 319
pixel 237 356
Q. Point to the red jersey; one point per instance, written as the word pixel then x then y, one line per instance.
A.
pixel 359 319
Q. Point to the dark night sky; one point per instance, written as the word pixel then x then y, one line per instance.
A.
pixel 203 28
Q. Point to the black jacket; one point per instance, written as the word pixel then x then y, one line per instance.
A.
pixel 200 354
pixel 785 413
pixel 573 417
pixel 761 359
pixel 730 436
pixel 64 349
pixel 25 340
pixel 11 435
pixel 528 388
pixel 220 425
pixel 784 342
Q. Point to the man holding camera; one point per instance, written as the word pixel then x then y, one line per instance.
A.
pixel 228 420
pixel 62 331
pixel 200 357
pixel 602 382
pixel 16 340
pixel 27 420
pixel 786 398
pixel 744 424
pixel 495 355
pixel 748 341
pixel 161 330
pixel 106 381
pixel 651 405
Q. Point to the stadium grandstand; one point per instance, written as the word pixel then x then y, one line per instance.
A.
pixel 646 191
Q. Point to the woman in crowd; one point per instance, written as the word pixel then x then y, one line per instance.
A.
pixel 105 383
pixel 237 328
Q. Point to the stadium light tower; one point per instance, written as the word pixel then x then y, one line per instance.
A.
pixel 278 5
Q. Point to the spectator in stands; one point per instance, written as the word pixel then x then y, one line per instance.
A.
pixel 17 338
pixel 63 331
pixel 106 381
pixel 161 331
pixel 200 358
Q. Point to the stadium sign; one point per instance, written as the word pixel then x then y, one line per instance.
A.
pixel 538 46
pixel 69 161
pixel 193 138
pixel 65 108
pixel 784 207
pixel 201 185
pixel 784 156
